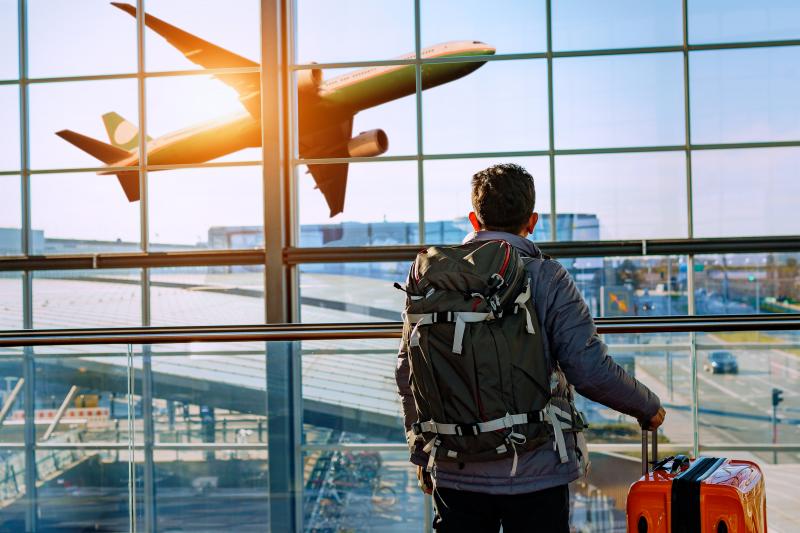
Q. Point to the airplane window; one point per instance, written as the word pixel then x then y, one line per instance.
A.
pixel 745 192
pixel 630 100
pixel 631 196
pixel 496 106
pixel 619 24
pixel 745 95
pixel 68 38
pixel 9 127
pixel 353 30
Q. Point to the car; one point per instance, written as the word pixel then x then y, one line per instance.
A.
pixel 721 363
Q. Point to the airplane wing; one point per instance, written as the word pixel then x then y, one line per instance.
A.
pixel 208 55
pixel 331 179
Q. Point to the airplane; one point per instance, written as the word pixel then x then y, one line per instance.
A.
pixel 325 112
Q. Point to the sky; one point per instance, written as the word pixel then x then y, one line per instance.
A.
pixel 736 96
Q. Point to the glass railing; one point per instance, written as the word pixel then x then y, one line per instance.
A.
pixel 297 427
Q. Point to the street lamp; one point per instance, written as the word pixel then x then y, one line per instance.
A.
pixel 777 397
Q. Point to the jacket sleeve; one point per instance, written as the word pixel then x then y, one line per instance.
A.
pixel 402 375
pixel 584 358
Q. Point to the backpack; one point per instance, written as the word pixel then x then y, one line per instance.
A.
pixel 478 373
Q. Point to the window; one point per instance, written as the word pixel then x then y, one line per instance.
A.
pixel 620 24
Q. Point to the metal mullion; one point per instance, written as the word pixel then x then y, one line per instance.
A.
pixel 134 75
pixel 28 369
pixel 292 272
pixel 746 145
pixel 551 123
pixel 148 489
pixel 9 82
pixel 418 117
pixel 690 297
pixel 541 55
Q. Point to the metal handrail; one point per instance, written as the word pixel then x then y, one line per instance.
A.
pixel 377 330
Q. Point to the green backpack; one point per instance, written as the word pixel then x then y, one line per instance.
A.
pixel 480 379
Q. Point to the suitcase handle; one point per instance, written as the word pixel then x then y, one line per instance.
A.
pixel 645 460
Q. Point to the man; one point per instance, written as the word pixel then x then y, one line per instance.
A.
pixel 532 493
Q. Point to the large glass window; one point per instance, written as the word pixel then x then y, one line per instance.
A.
pixel 189 207
pixel 183 296
pixel 9 41
pixel 745 95
pixel 620 24
pixel 204 120
pixel 448 200
pixel 10 216
pixel 634 100
pixel 80 107
pixel 9 127
pixel 79 38
pixel 509 28
pixel 743 20
pixel 501 106
pixel 232 26
pixel 87 299
pixel 630 195
pixel 83 213
pixel 353 30
pixel 10 300
pixel 745 192
pixel 374 193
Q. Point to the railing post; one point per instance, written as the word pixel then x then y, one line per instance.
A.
pixel 284 437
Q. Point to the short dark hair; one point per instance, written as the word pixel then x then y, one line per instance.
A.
pixel 503 197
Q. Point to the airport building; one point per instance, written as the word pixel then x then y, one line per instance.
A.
pixel 204 207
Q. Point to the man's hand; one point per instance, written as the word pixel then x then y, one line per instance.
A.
pixel 424 480
pixel 656 421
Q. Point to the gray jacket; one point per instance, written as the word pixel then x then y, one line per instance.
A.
pixel 570 340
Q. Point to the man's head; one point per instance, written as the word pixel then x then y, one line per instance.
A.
pixel 503 198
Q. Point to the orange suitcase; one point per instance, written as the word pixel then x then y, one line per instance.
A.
pixel 704 495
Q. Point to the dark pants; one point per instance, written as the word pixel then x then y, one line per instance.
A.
pixel 543 511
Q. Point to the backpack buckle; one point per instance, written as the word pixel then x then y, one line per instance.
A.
pixel 467 429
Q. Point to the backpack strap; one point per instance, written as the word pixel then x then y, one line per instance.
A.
pixel 461 318
pixel 520 302
pixel 431 426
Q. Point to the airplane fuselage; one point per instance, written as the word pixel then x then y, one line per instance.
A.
pixel 337 100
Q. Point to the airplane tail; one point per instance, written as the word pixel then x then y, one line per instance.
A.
pixel 109 155
pixel 121 133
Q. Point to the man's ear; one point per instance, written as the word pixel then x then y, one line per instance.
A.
pixel 473 218
pixel 532 222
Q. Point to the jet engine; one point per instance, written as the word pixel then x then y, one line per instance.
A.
pixel 368 144
pixel 308 81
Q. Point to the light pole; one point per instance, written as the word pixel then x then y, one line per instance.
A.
pixel 777 397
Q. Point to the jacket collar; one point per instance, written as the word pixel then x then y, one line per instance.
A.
pixel 524 246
